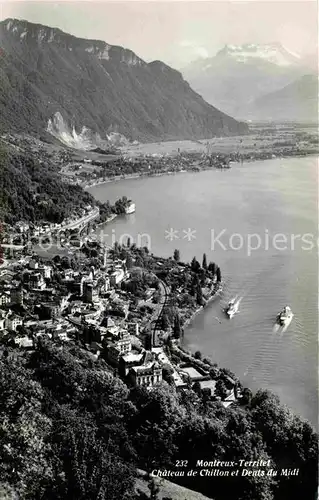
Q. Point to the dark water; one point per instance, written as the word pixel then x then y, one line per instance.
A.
pixel 267 198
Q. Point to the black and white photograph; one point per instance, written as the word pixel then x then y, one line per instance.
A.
pixel 159 250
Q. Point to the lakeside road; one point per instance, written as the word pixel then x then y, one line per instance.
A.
pixel 164 294
pixel 82 221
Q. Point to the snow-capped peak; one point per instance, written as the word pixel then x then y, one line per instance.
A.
pixel 273 53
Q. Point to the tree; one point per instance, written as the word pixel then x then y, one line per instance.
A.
pixel 129 261
pixel 199 295
pixel 57 259
pixel 198 355
pixel 195 265
pixel 220 389
pixel 123 254
pixel 148 341
pixel 116 249
pixel 204 264
pixel 139 261
pixel 206 393
pixel 246 396
pixel 212 268
pixel 24 431
pixel 202 277
pixel 168 374
pixel 65 262
pixel 214 372
pixel 194 285
pixel 177 256
pixel 84 467
pixel 218 274
pixel 196 388
pixel 177 327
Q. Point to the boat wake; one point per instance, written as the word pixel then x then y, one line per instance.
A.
pixel 233 306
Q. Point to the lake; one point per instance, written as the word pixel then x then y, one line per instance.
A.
pixel 271 205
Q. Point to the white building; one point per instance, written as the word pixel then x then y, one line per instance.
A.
pixel 37 281
pixel 117 276
pixel 25 342
pixel 2 323
pixel 120 347
pixel 5 298
pixel 45 271
pixel 146 375
pixel 13 321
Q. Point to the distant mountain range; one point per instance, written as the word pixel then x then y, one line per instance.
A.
pixel 238 77
pixel 50 80
pixel 273 53
pixel 298 101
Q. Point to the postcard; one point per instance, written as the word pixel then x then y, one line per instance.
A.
pixel 159 250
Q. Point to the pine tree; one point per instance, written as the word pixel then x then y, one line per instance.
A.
pixel 212 267
pixel 202 277
pixel 195 265
pixel 218 274
pixel 194 286
pixel 199 295
pixel 177 256
pixel 196 388
pixel 177 327
pixel 204 264
pixel 116 249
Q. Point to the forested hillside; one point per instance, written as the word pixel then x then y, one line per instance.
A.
pixel 69 429
pixel 32 190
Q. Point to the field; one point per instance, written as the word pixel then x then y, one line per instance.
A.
pixel 263 138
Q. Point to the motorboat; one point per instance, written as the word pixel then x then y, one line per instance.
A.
pixel 232 308
pixel 285 316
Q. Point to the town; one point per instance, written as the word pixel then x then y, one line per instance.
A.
pixel 121 304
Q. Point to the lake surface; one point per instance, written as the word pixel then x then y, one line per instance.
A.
pixel 267 198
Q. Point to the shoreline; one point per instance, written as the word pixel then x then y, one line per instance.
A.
pixel 201 308
pixel 86 186
pixel 110 219
pixel 138 176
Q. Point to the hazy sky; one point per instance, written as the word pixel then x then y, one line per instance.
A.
pixel 178 32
